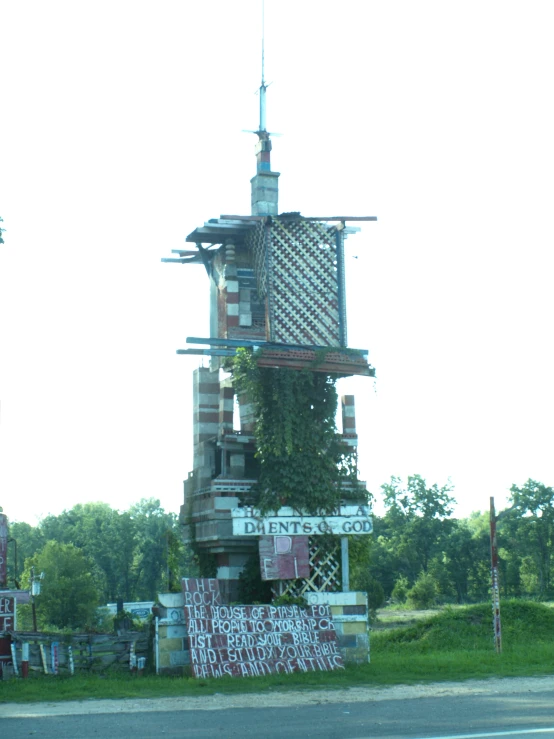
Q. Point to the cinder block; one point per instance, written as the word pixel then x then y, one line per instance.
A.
pixel 171 600
pixel 178 659
pixel 176 632
pixel 347 641
pixel 354 610
pixel 164 659
pixel 337 599
pixel 170 645
pixel 356 656
pixel 354 627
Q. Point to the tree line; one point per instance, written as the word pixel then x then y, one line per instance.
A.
pixel 92 555
pixel 418 554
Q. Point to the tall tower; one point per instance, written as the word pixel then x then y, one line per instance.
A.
pixel 276 283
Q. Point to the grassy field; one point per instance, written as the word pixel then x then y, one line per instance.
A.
pixel 455 644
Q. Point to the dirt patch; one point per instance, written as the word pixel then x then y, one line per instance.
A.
pixel 281 699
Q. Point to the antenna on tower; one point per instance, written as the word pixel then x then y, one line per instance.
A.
pixel 263 86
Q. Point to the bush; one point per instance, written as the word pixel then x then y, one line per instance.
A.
pixel 375 595
pixel 400 590
pixel 423 593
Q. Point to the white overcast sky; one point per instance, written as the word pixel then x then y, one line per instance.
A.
pixel 121 131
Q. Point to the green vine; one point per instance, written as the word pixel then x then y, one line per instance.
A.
pixel 303 461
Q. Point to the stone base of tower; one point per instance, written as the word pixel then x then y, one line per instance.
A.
pixel 225 469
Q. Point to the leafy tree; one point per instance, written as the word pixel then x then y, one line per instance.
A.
pixel 69 594
pixel 105 536
pixel 462 553
pixel 159 549
pixel 531 522
pixel 417 518
pixel 29 540
pixel 479 573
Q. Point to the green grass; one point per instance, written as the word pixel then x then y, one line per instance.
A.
pixel 455 644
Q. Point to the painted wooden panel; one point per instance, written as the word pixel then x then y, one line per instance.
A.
pixel 201 591
pixel 284 557
pixel 7 613
pixel 242 641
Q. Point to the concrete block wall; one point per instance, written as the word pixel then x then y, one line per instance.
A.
pixel 206 402
pixel 348 413
pixel 173 654
pixel 350 616
pixel 349 612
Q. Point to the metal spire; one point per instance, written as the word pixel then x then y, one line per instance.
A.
pixel 265 190
pixel 263 86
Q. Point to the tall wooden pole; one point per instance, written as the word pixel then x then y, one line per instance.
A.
pixel 495 588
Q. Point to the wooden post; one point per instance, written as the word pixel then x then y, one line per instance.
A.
pixel 495 588
pixel 344 564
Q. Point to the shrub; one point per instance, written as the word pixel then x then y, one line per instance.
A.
pixel 423 593
pixel 400 590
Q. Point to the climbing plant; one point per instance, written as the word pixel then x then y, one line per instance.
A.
pixel 303 461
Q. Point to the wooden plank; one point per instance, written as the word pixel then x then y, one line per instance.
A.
pixel 284 557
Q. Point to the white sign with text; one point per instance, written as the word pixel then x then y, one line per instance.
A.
pixel 349 519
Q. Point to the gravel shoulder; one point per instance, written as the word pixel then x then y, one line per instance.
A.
pixel 281 699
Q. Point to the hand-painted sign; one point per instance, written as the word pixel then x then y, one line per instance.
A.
pixel 7 613
pixel 345 520
pixel 248 641
pixel 3 550
pixel 284 557
pixel 201 592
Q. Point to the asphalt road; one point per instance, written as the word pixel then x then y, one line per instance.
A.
pixel 499 714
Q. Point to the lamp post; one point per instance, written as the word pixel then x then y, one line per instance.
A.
pixel 35 590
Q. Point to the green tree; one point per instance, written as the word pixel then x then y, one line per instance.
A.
pixel 479 574
pixel 418 520
pixel 29 540
pixel 69 594
pixel 105 536
pixel 159 550
pixel 531 524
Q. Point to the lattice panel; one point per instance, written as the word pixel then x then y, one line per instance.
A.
pixel 255 241
pixel 303 289
pixel 325 574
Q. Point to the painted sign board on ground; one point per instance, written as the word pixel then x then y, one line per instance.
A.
pixel 246 641
pixel 284 557
pixel 351 519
